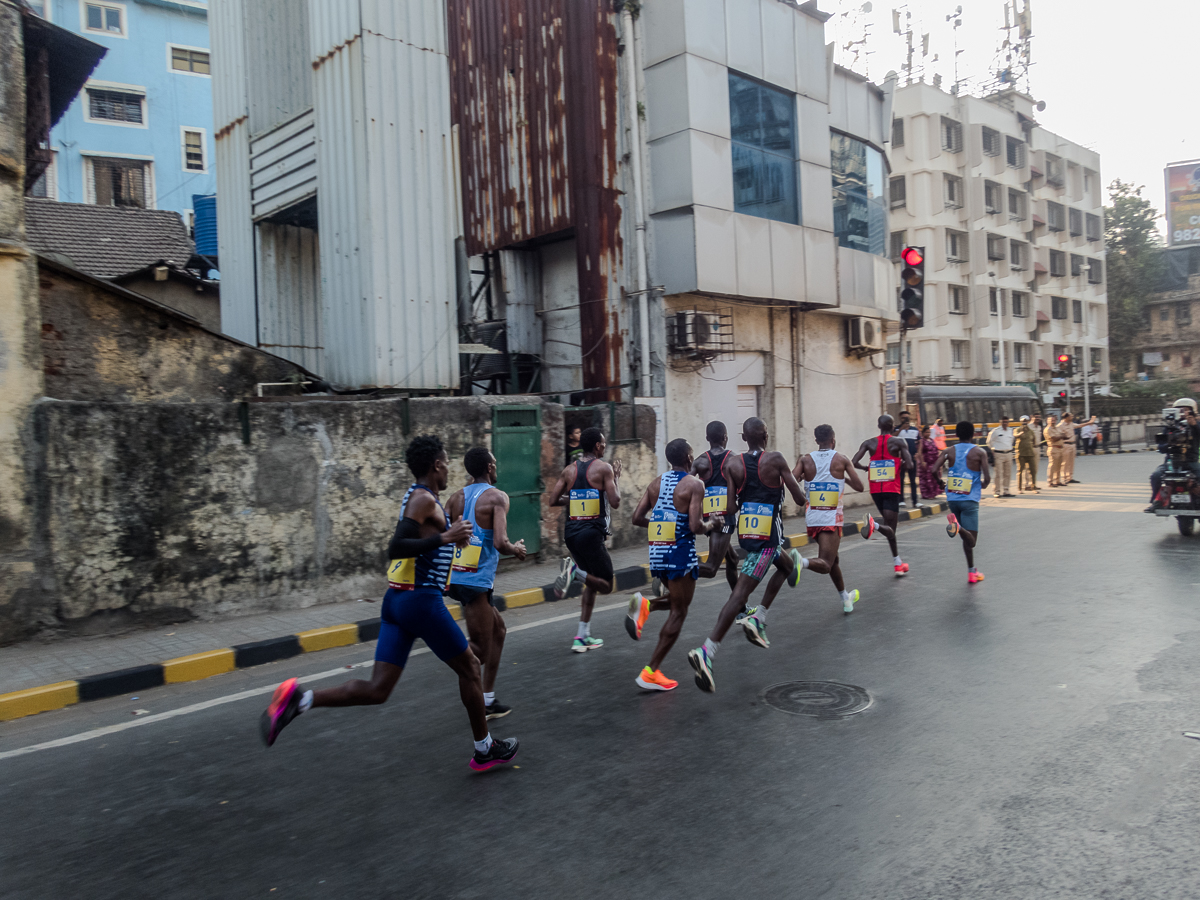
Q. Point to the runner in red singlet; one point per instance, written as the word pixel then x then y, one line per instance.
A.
pixel 889 459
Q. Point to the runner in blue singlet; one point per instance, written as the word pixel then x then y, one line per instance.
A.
pixel 965 481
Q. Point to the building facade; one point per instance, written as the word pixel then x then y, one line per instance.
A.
pixel 140 132
pixel 1011 218
pixel 1168 345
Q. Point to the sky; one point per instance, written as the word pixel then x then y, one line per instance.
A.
pixel 1115 77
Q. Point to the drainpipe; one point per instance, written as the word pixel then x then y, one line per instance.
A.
pixel 635 161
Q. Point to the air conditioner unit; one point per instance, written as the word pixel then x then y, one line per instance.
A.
pixel 864 334
pixel 694 333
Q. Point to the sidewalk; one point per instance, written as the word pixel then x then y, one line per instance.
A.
pixel 41 675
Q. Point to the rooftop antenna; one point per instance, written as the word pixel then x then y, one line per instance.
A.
pixel 907 32
pixel 857 48
pixel 1016 50
pixel 956 17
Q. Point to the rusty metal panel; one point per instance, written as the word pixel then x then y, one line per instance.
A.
pixel 508 97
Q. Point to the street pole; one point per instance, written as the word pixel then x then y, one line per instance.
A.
pixel 1087 390
pixel 900 395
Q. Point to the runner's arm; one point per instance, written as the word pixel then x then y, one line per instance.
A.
pixel 695 500
pixel 610 486
pixel 641 513
pixel 558 492
pixel 701 467
pixel 500 530
pixel 984 470
pixel 791 483
pixel 407 542
pixel 859 455
pixel 852 477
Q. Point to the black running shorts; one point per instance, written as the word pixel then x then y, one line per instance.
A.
pixel 465 594
pixel 587 549
pixel 887 502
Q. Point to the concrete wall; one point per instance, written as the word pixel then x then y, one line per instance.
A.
pixel 182 294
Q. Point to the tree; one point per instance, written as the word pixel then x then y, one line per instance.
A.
pixel 1134 265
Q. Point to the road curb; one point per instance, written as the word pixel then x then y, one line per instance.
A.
pixel 199 666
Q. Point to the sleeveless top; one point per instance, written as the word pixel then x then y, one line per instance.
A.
pixel 760 520
pixel 824 507
pixel 430 570
pixel 475 564
pixel 588 506
pixel 672 544
pixel 884 472
pixel 963 483
pixel 716 485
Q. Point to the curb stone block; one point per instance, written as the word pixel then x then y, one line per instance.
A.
pixel 39 699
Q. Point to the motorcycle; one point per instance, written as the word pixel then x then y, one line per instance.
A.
pixel 1179 494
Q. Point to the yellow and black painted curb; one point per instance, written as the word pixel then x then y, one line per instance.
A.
pixel 199 666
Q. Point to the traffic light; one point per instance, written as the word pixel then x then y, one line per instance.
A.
pixel 1066 365
pixel 912 287
pixel 1061 399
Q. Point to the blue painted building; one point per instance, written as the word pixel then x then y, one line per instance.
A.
pixel 140 132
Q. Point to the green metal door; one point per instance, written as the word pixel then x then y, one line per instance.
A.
pixel 517 446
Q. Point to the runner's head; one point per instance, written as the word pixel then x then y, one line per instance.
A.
pixel 426 458
pixel 716 434
pixel 480 465
pixel 965 431
pixel 754 433
pixel 592 441
pixel 679 454
pixel 886 424
pixel 824 436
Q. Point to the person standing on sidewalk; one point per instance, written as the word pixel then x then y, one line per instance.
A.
pixel 473 569
pixel 1087 436
pixel 937 431
pixel 1054 448
pixel 1027 458
pixel 1070 441
pixel 911 435
pixel 927 454
pixel 1001 439
pixel 589 488
pixel 1039 438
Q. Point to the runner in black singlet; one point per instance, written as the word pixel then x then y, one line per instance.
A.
pixel 709 467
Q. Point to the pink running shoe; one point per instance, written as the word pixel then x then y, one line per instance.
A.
pixel 498 754
pixel 951 524
pixel 867 528
pixel 974 577
pixel 902 569
pixel 285 706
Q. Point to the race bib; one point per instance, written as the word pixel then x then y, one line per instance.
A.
pixel 716 501
pixel 585 504
pixel 662 527
pixel 958 484
pixel 824 494
pixel 466 559
pixel 402 574
pixel 755 521
pixel 883 470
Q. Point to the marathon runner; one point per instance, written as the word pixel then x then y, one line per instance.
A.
pixel 420 554
pixel 965 481
pixel 709 467
pixel 672 511
pixel 473 569
pixel 889 457
pixel 758 479
pixel 589 488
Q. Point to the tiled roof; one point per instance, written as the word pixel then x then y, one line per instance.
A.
pixel 106 241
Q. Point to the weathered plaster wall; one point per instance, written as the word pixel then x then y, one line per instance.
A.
pixel 181 294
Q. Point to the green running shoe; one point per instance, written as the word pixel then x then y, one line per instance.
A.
pixel 756 631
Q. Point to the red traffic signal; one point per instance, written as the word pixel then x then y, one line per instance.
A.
pixel 1063 359
pixel 911 256
pixel 1062 394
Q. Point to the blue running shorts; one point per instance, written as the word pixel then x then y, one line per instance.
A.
pixel 674 574
pixel 408 615
pixel 967 513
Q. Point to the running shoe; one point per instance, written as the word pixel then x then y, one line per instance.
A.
pixel 867 528
pixel 741 617
pixel 794 578
pixel 698 659
pixel 583 645
pixel 655 680
pixel 497 710
pixel 848 603
pixel 639 611
pixel 285 706
pixel 952 524
pixel 499 753
pixel 566 574
pixel 902 569
pixel 974 577
pixel 756 631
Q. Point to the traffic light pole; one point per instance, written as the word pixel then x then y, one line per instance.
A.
pixel 900 394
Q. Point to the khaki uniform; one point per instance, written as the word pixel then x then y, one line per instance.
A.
pixel 1027 458
pixel 1055 436
pixel 1070 436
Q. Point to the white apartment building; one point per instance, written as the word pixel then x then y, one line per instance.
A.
pixel 1010 216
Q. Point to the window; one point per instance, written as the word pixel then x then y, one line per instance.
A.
pixel 1183 313
pixel 1163 314
pixel 105 18
pixel 991 197
pixel 1095 271
pixel 1016 204
pixel 1021 356
pixel 995 355
pixel 991 142
pixel 1058 308
pixel 763 122
pixel 1095 352
pixel 956 246
pixel 995 247
pixel 1020 304
pixel 47 184
pixel 1076 265
pixel 859 208
pixel 893 355
pixel 119 182
pixel 996 301
pixel 1054 170
pixel 958 299
pixel 951 135
pixel 898 243
pixel 1018 256
pixel 953 192
pixel 960 353
pixel 1056 216
pixel 1076 223
pixel 40 8
pixel 185 59
pixel 116 106
pixel 896 192
pixel 1093 227
pixel 897 135
pixel 193 150
pixel 1088 176
pixel 1077 312
pixel 1014 152
pixel 1058 264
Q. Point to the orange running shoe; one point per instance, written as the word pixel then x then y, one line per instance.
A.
pixel 974 577
pixel 639 612
pixel 655 681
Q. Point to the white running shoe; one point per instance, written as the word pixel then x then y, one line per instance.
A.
pixel 566 574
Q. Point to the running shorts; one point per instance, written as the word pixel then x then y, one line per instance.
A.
pixel 813 531
pixel 675 574
pixel 408 615
pixel 758 563
pixel 967 513
pixel 587 549
pixel 465 594
pixel 887 502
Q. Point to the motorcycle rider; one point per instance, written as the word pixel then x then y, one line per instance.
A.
pixel 1191 460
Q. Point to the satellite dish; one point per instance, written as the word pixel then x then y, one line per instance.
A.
pixel 1041 106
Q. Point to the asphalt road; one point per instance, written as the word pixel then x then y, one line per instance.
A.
pixel 1024 741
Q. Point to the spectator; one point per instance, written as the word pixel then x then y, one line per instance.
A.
pixel 1027 456
pixel 1054 444
pixel 1088 434
pixel 574 451
pixel 927 454
pixel 1001 439
pixel 912 436
pixel 1039 439
pixel 1070 439
pixel 937 431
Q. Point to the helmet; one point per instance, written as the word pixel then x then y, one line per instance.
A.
pixel 1186 401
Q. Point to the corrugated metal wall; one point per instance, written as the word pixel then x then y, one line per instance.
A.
pixel 279 79
pixel 289 285
pixel 283 165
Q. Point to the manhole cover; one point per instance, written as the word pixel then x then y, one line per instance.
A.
pixel 818 699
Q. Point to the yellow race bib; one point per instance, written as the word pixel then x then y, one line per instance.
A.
pixel 466 559
pixel 957 484
pixel 716 501
pixel 662 532
pixel 402 574
pixel 585 504
pixel 755 521
pixel 824 494
pixel 883 470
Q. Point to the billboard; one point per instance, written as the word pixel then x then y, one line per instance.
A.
pixel 1183 204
